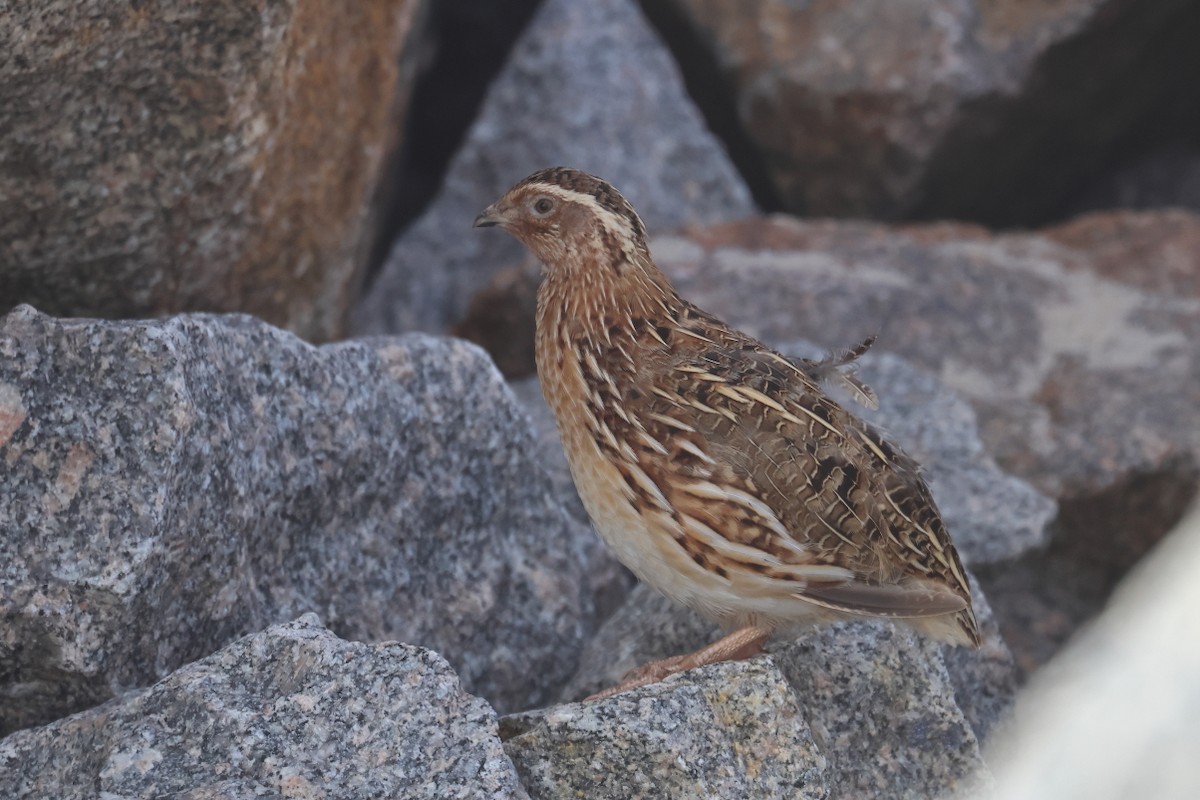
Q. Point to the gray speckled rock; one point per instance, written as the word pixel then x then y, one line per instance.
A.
pixel 611 582
pixel 985 680
pixel 729 730
pixel 881 700
pixel 529 392
pixel 175 156
pixel 878 699
pixel 637 129
pixel 289 712
pixel 168 486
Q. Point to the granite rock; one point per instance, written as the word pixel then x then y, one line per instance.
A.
pixel 964 109
pixel 648 626
pixel 168 486
pixel 877 700
pixel 610 581
pixel 535 116
pixel 985 680
pixel 550 450
pixel 292 711
pixel 173 156
pixel 882 701
pixel 729 730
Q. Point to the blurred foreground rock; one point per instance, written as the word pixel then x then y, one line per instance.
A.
pixel 994 112
pixel 177 156
pixel 588 85
pixel 289 712
pixel 168 486
pixel 1114 715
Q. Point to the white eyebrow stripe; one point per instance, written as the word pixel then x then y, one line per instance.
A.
pixel 617 225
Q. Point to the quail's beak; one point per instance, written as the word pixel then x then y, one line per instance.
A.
pixel 490 217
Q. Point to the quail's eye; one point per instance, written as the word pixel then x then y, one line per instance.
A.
pixel 543 205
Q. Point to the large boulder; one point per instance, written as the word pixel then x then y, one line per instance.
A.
pixel 197 156
pixel 964 109
pixel 588 85
pixel 168 486
pixel 289 712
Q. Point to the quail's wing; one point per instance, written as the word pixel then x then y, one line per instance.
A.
pixel 770 477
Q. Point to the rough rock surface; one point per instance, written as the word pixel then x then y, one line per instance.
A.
pixel 168 486
pixel 176 156
pixel 289 712
pixel 876 700
pixel 535 116
pixel 729 730
pixel 965 109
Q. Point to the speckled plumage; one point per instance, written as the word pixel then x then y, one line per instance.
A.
pixel 718 470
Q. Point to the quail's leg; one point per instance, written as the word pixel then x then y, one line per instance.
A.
pixel 742 643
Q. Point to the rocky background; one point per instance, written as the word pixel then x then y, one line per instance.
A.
pixel 321 548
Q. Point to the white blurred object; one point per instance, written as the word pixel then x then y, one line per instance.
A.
pixel 1117 714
